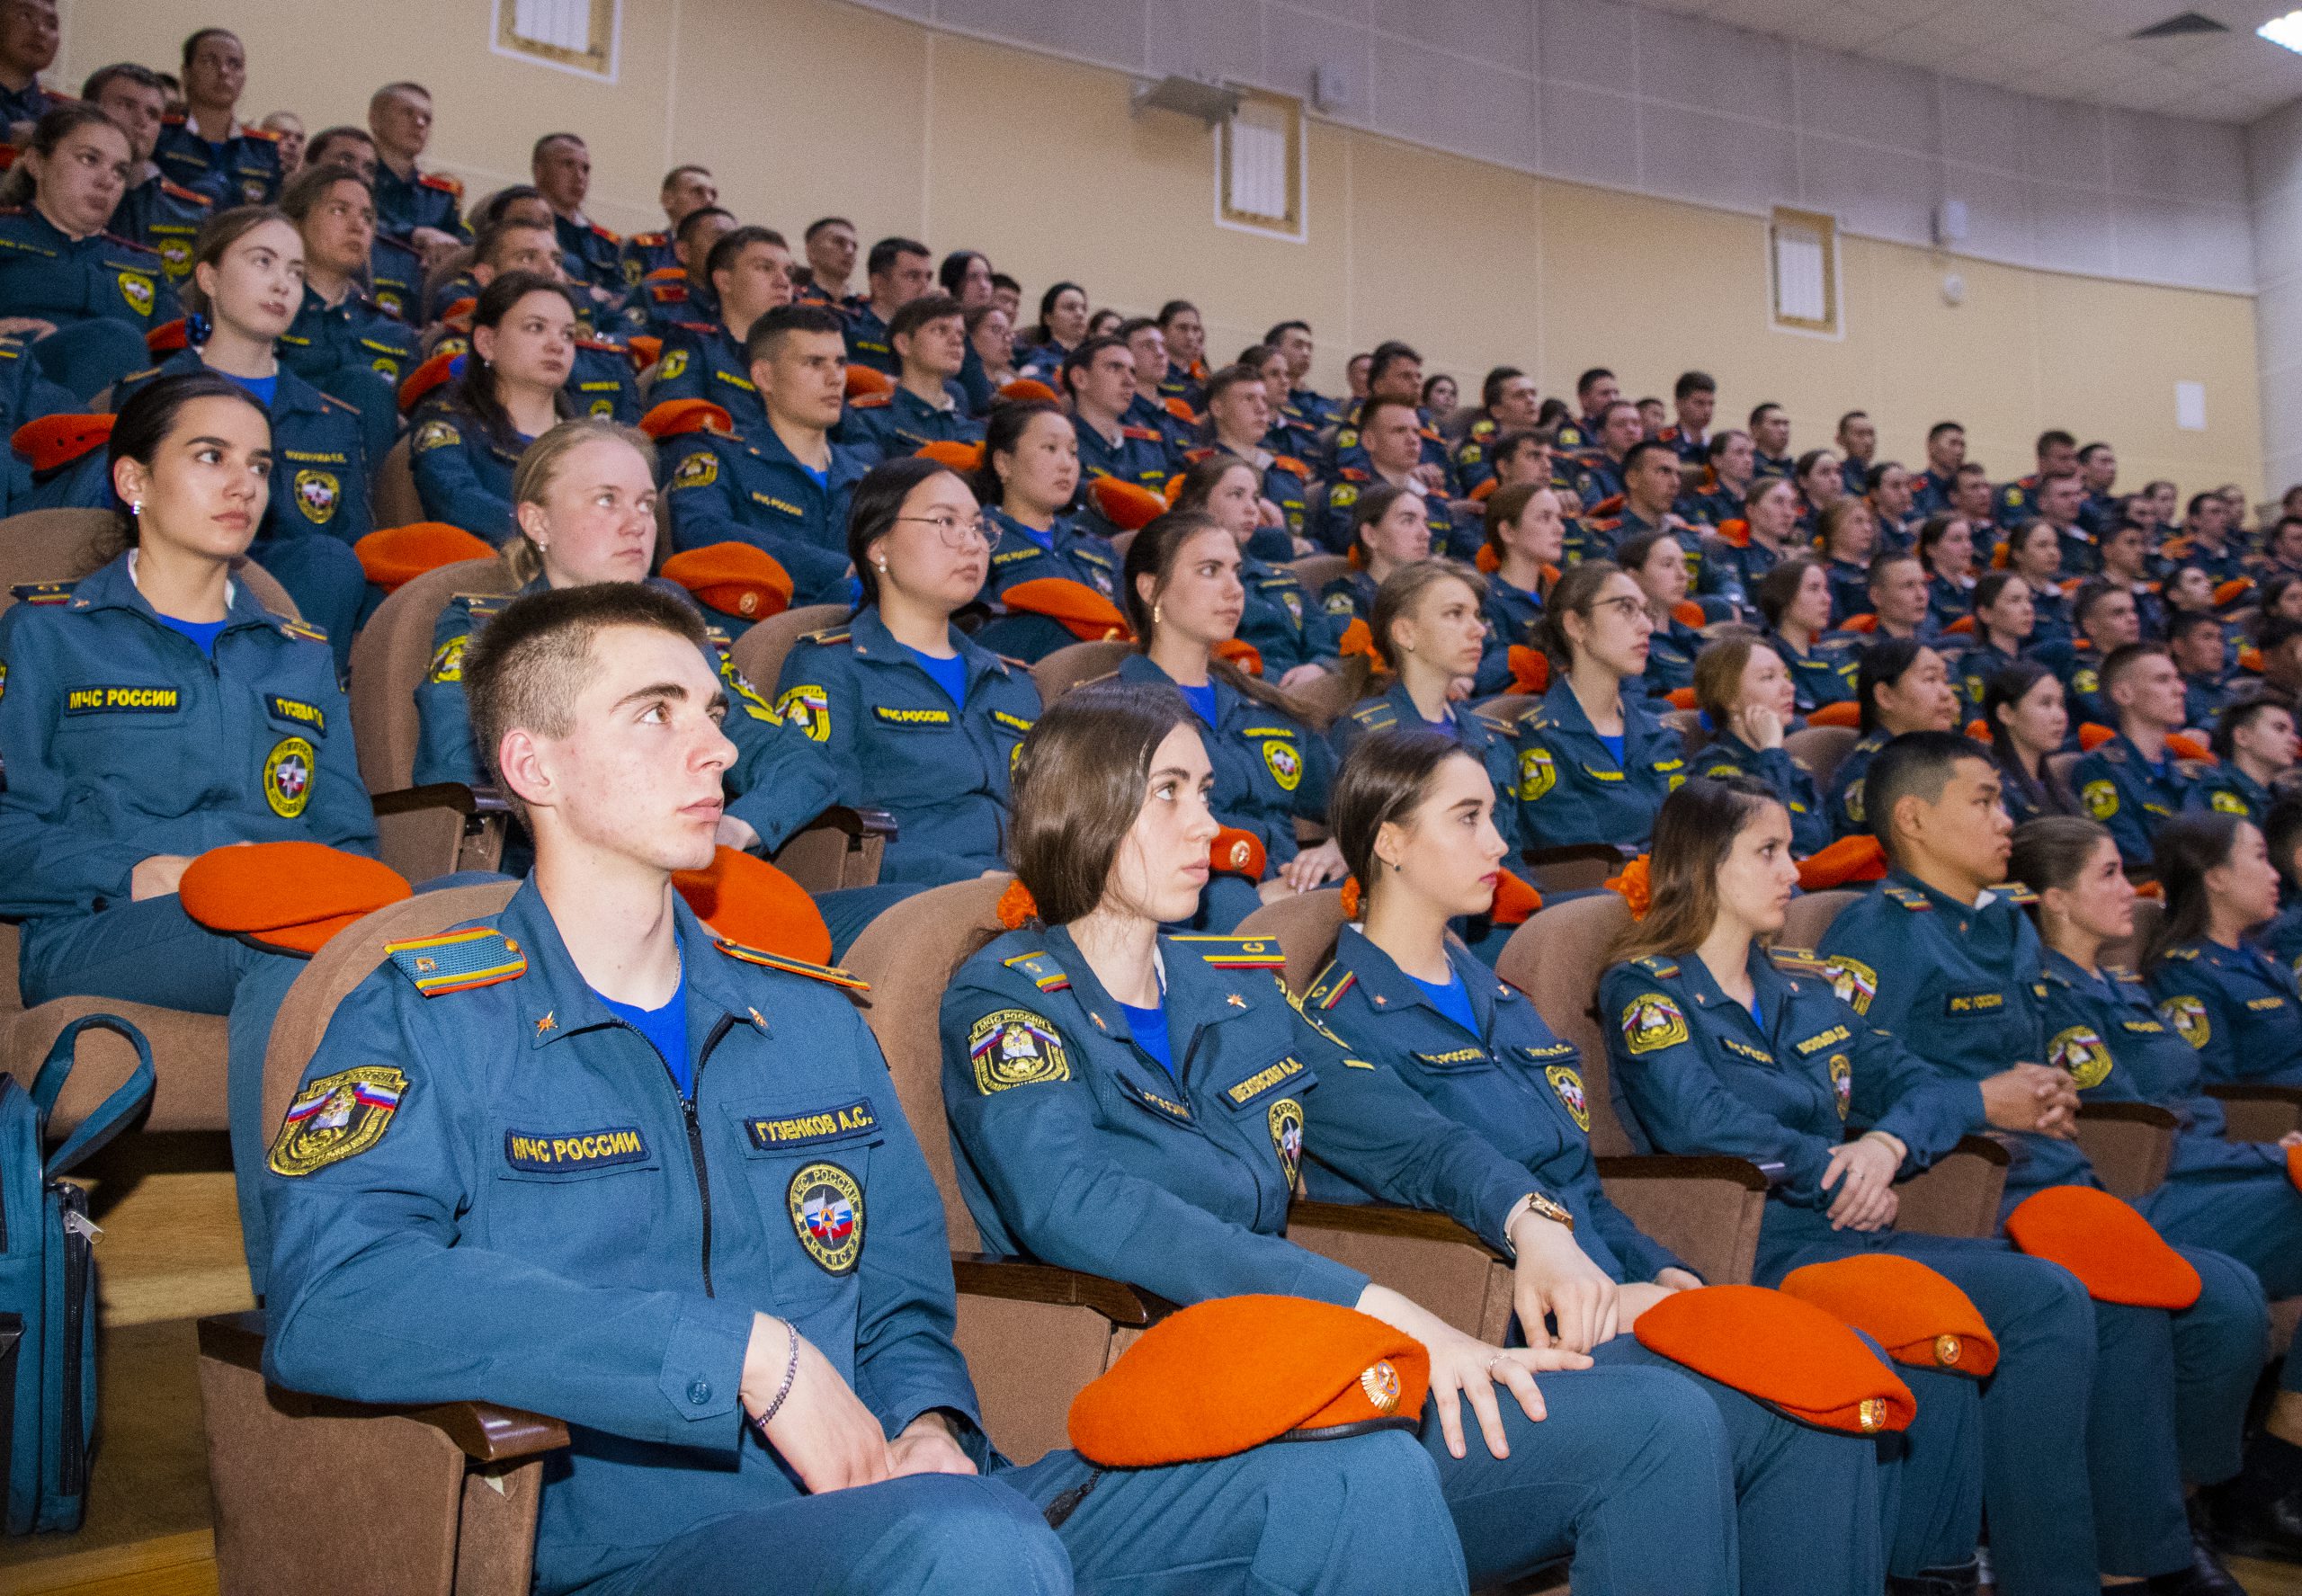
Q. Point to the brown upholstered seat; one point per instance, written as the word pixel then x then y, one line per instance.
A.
pixel 759 652
pixel 1074 663
pixel 1822 749
pixel 66 545
pixel 393 498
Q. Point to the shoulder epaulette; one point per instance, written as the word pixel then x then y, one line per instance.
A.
pixel 1324 996
pixel 140 376
pixel 2123 975
pixel 2185 951
pixel 1145 433
pixel 177 191
pixel 348 408
pixel 1656 966
pixel 1353 474
pixel 1914 901
pixel 872 402
pixel 481 603
pixel 1042 972
pixel 1291 466
pixel 441 181
pixel 115 239
pixel 270 135
pixel 42 592
pixel 1800 961
pixel 1366 713
pixel 304 629
pixel 830 974
pixel 603 345
pixel 1238 953
pixel 612 237
pixel 830 634
pixel 2016 893
pixel 175 118
pixel 650 240
pixel 459 960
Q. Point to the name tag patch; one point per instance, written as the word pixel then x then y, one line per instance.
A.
pixel 1973 1003
pixel 1815 1044
pixel 894 717
pixel 536 1152
pixel 295 710
pixel 771 1135
pixel 122 700
pixel 1263 1081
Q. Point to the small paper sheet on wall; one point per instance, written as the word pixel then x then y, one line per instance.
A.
pixel 2190 406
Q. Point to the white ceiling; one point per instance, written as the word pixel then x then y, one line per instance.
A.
pixel 2065 49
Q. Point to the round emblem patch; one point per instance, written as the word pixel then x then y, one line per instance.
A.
pixel 1569 1085
pixel 631 272
pixel 674 362
pixel 175 255
pixel 136 288
pixel 2227 802
pixel 336 1117
pixel 827 1215
pixel 2079 1053
pixel 434 434
pixel 385 366
pixel 809 707
pixel 1294 603
pixel 2086 681
pixel 2100 798
pixel 1010 1047
pixel 391 301
pixel 1286 1118
pixel 2186 1015
pixel 1946 1350
pixel 288 777
pixel 253 190
pixel 1537 774
pixel 1841 1069
pixel 1381 1384
pixel 317 494
pixel 1653 1022
pixel 603 407
pixel 700 470
pixel 1286 764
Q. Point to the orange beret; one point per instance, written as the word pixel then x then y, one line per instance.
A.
pixel 673 418
pixel 2294 1166
pixel 645 348
pixel 1235 852
pixel 426 376
pixel 734 579
pixel 960 457
pixel 2182 745
pixel 1849 859
pixel 1635 885
pixel 1226 1375
pixel 1735 533
pixel 2232 591
pixel 1082 611
pixel 167 337
pixel 1487 561
pixel 864 382
pixel 1126 505
pixel 2000 556
pixel 1846 713
pixel 1964 627
pixel 1921 1317
pixel 2250 658
pixel 1180 411
pixel 54 442
pixel 395 556
pixel 1481 493
pixel 1353 898
pixel 460 310
pixel 1687 612
pixel 1029 388
pixel 1240 654
pixel 1788 1354
pixel 1173 490
pixel 1864 622
pixel 1681 697
pixel 2092 734
pixel 1017 907
pixel 288 896
pixel 1530 669
pixel 1514 900
pixel 1357 638
pixel 2111 1249
pixel 748 900
pixel 1979 730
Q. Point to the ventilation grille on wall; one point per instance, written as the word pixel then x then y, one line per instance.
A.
pixel 574 35
pixel 1802 258
pixel 1259 167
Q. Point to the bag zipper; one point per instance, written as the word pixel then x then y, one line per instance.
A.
pixel 79 1241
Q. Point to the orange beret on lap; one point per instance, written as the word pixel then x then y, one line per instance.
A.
pixel 291 897
pixel 671 418
pixel 396 556
pixel 2294 1166
pixel 1081 610
pixel 960 457
pixel 1791 1355
pixel 748 900
pixel 1921 1317
pixel 1226 1375
pixel 1029 388
pixel 865 383
pixel 1235 852
pixel 734 579
pixel 2111 1249
pixel 1125 505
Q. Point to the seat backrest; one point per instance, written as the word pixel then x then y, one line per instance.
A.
pixel 342 964
pixel 389 657
pixel 66 545
pixel 1506 708
pixel 909 956
pixel 2127 950
pixel 2059 766
pixel 759 652
pixel 1557 959
pixel 1074 663
pixel 1307 924
pixel 1810 915
pixel 1314 571
pixel 393 499
pixel 1821 749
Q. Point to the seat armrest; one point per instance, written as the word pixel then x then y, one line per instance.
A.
pixel 2257 1113
pixel 443 795
pixel 1375 1218
pixel 2129 1113
pixel 2244 1091
pixel 482 1430
pixel 1577 867
pixel 1666 1166
pixel 981 1274
pixel 1959 1194
pixel 857 823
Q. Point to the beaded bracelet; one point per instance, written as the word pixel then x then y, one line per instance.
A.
pixel 791 1373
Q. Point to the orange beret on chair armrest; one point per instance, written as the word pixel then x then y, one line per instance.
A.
pixel 1978 729
pixel 1530 669
pixel 1849 859
pixel 1081 610
pixel 1240 654
pixel 1125 505
pixel 1735 533
pixel 1864 622
pixel 949 451
pixel 1788 1354
pixel 2092 734
pixel 749 901
pixel 1358 640
pixel 54 442
pixel 1235 852
pixel 1228 1374
pixel 1964 627
pixel 426 376
pixel 865 383
pixel 672 418
pixel 734 579
pixel 167 337
pixel 393 556
pixel 1681 697
pixel 2113 1250
pixel 1921 1317
pixel 2182 745
pixel 1845 713
pixel 1025 389
pixel 1514 900
pixel 1687 612
pixel 288 896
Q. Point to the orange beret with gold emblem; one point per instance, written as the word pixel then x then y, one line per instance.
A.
pixel 1126 504
pixel 291 897
pixel 1791 1355
pixel 1081 610
pixel 2115 1253
pixel 1235 852
pixel 1920 1316
pixel 734 579
pixel 393 556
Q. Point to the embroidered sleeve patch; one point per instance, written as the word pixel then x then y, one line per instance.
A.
pixel 2080 1054
pixel 1011 1048
pixel 337 1117
pixel 1652 1023
pixel 2100 798
pixel 1855 982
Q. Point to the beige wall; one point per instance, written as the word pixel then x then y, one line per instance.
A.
pixel 808 106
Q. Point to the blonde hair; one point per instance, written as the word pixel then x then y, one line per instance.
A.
pixel 538 469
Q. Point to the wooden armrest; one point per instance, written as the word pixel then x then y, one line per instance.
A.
pixel 2241 1092
pixel 443 795
pixel 1382 1219
pixel 981 1274
pixel 856 823
pixel 484 1431
pixel 1666 1166
pixel 1982 1147
pixel 2128 1113
pixel 1578 853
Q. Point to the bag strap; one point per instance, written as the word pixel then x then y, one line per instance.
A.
pixel 113 1115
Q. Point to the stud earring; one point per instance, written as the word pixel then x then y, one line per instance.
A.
pixel 882 565
pixel 135 507
pixel 1154 614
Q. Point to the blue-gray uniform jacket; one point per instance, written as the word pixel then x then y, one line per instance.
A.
pixel 899 744
pixel 2203 698
pixel 1574 790
pixel 1511 614
pixel 1960 987
pixel 1826 675
pixel 394 278
pixel 2236 1006
pixel 724 489
pixel 25 394
pixel 668 301
pixel 420 199
pixel 1348 597
pixel 1849 590
pixel 2229 790
pixel 1327 512
pixel 1810 825
pixel 1692 1071
pixel 495 1188
pixel 1670 657
pixel 1140 456
pixel 242 170
pixel 887 427
pixel 1845 802
pixel 1734 569
pixel 644 253
pixel 164 217
pixel 1514 1083
pixel 1177 437
pixel 1270 768
pixel 779 782
pixel 868 343
pixel 595 251
pixel 66 280
pixel 1484 740
pixel 1975 667
pixel 1078 1148
pixel 463 472
pixel 2123 790
pixel 1280 619
pixel 124 740
pixel 2118 1048
pixel 1065 552
pixel 1350 452
pixel 325 339
pixel 704 360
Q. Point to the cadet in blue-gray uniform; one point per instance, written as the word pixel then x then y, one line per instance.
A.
pixel 466 440
pixel 85 298
pixel 2253 742
pixel 2233 1196
pixel 917 719
pixel 341 342
pixel 1794 599
pixel 1715 1047
pixel 1658 562
pixel 154 711
pixel 25 394
pixel 2132 783
pixel 1139 1107
pixel 1595 762
pixel 1951 969
pixel 896 272
pixel 560 164
pixel 207 146
pixel 155 212
pixel 1526 533
pixel 1026 485
pixel 788 493
pixel 705 359
pixel 1278 618
pixel 1415 825
pixel 1742 689
pixel 2225 996
pixel 1180 589
pixel 1098 378
pixel 411 203
pixel 929 336
pixel 1904 687
pixel 681 1210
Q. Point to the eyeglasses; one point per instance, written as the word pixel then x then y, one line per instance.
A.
pixel 955 533
pixel 1623 604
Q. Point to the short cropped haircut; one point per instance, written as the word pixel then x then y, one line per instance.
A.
pixel 2282 833
pixel 1388 354
pixel 1642 449
pixel 1279 329
pixel 917 313
pixel 729 246
pixel 2183 622
pixel 1691 383
pixel 103 77
pixel 1916 764
pixel 526 670
pixel 887 251
pixel 769 332
pixel 2236 715
pixel 820 223
pixel 1759 412
pixel 704 213
pixel 535 151
pixel 1591 379
pixel 1942 428
pixel 2121 661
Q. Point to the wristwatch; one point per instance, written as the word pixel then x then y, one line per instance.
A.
pixel 1551 1209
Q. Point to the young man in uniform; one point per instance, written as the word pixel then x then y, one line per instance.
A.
pixel 899 271
pixel 929 336
pixel 561 166
pixel 209 147
pixel 589 1158
pixel 1770 441
pixel 423 209
pixel 28 34
pixel 749 271
pixel 2131 783
pixel 156 211
pixel 831 247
